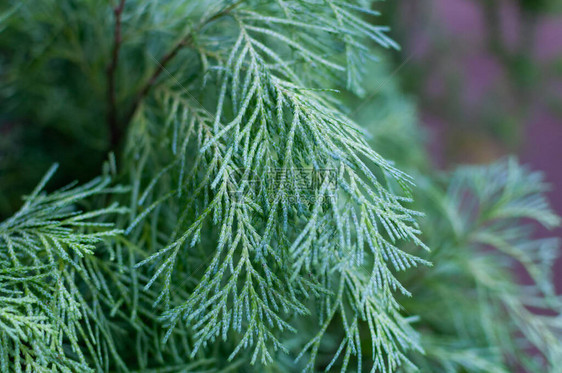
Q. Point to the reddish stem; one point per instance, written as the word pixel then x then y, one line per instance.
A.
pixel 112 120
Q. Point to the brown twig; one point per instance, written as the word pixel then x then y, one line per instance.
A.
pixel 118 128
pixel 114 128
pixel 187 40
pixel 159 69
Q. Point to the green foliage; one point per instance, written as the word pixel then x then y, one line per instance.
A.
pixel 270 116
pixel 50 289
pixel 480 231
pixel 219 112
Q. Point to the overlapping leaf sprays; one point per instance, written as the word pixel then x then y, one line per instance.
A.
pixel 271 257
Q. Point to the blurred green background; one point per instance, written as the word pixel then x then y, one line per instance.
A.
pixel 487 77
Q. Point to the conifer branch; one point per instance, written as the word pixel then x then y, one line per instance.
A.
pixel 270 98
pixel 263 223
pixel 48 248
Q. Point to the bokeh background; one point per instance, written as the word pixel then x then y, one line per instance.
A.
pixel 487 76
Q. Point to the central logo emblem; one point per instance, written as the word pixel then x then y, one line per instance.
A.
pixel 243 184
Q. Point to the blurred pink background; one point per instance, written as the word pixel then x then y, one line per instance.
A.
pixel 488 76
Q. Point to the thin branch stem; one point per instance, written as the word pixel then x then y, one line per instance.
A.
pixel 117 127
pixel 161 65
pixel 112 120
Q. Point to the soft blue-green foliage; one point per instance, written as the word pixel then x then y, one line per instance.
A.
pixel 221 114
pixel 274 259
pixel 477 314
pixel 51 293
